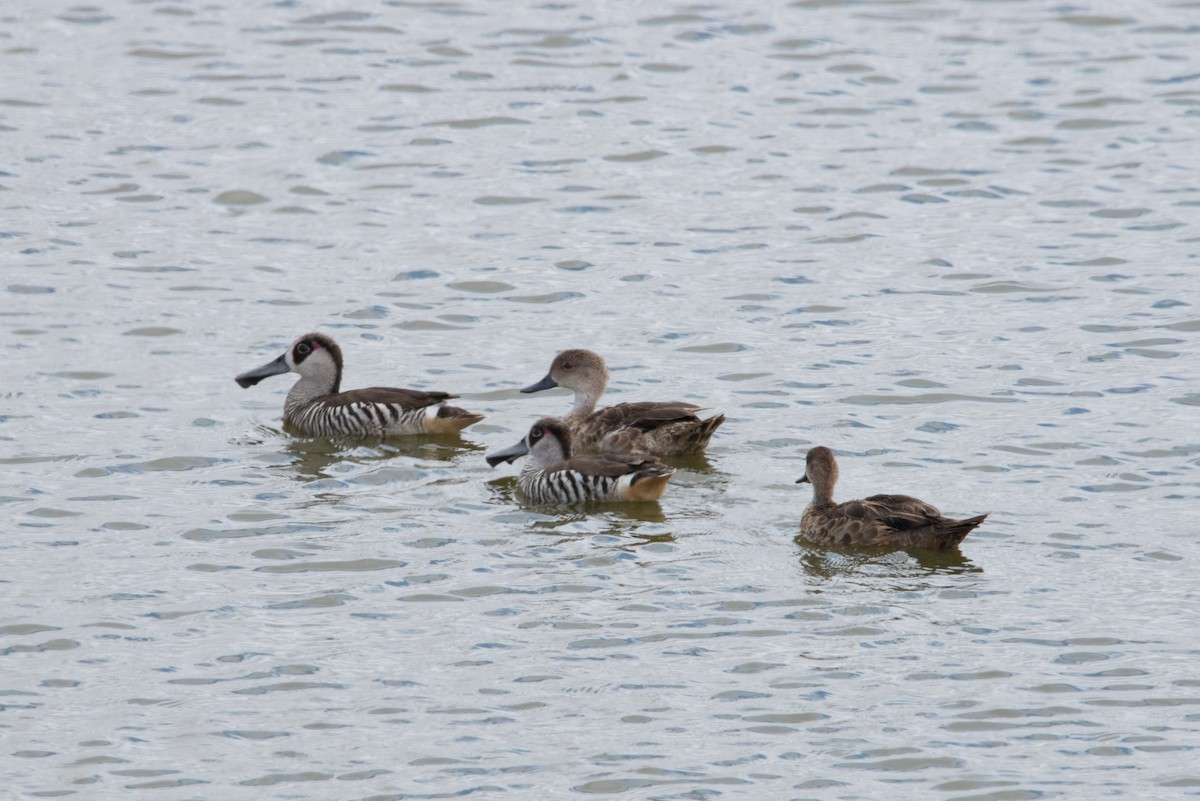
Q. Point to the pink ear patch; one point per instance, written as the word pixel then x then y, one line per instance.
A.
pixel 316 345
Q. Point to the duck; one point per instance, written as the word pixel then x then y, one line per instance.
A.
pixel 553 475
pixel 654 428
pixel 883 520
pixel 315 406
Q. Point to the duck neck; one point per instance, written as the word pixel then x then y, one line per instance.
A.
pixel 822 495
pixel 305 391
pixel 548 453
pixel 585 404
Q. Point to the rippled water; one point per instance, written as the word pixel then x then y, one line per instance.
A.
pixel 954 241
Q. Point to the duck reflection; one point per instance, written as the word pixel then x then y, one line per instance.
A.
pixel 626 535
pixel 312 459
pixel 694 462
pixel 839 562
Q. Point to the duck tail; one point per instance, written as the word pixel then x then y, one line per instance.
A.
pixel 648 483
pixel 450 419
pixel 957 531
pixel 699 436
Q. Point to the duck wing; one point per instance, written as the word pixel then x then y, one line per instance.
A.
pixel 886 520
pixel 901 512
pixel 643 415
pixel 608 466
pixel 404 398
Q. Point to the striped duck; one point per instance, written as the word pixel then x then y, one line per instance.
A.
pixel 553 475
pixel 316 408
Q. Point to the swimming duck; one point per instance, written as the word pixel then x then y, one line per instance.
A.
pixel 315 408
pixel 896 520
pixel 552 475
pixel 649 427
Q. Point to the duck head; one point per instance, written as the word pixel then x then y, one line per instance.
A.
pixel 820 470
pixel 314 356
pixel 547 442
pixel 577 369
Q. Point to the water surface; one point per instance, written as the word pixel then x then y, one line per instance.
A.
pixel 955 242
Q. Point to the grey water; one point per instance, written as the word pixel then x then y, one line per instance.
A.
pixel 954 240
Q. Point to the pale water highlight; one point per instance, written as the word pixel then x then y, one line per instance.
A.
pixel 955 242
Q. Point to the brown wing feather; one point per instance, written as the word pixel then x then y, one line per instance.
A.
pixel 404 398
pixel 612 466
pixel 942 534
pixel 661 429
pixel 682 437
pixel 844 524
pixel 644 415
pixel 900 512
pixel 885 520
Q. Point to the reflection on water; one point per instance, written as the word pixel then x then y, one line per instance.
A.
pixel 308 458
pixel 955 242
pixel 622 519
pixel 695 462
pixel 881 563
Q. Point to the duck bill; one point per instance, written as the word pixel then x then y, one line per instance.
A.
pixel 803 479
pixel 252 377
pixel 545 383
pixel 509 454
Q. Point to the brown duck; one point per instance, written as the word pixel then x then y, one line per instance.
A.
pixel 649 427
pixel 888 520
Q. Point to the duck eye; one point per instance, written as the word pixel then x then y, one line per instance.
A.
pixel 303 349
pixel 567 366
pixel 535 433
